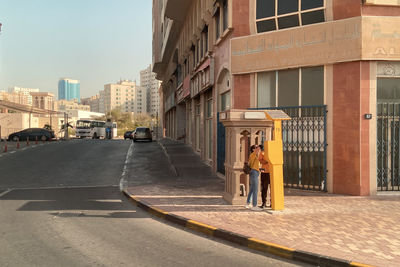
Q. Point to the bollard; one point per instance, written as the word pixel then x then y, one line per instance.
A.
pixel 5 147
pixel 18 143
pixel 36 141
pixel 27 141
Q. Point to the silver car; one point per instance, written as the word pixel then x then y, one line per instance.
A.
pixel 142 133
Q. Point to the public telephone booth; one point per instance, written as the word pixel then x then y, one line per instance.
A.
pixel 243 129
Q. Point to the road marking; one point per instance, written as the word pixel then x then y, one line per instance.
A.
pixel 123 183
pixel 13 152
pixel 6 192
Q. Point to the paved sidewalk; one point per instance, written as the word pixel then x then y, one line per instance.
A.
pixel 356 229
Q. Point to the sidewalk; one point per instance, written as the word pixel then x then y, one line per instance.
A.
pixel 343 228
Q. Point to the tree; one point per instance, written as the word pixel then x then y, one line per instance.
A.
pixel 126 121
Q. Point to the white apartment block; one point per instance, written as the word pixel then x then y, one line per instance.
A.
pixel 150 86
pixel 26 91
pixel 124 95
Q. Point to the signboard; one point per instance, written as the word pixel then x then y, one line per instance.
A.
pixel 359 38
pixel 254 115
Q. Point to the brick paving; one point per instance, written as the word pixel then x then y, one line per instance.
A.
pixel 360 229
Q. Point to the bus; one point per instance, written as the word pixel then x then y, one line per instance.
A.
pixel 90 128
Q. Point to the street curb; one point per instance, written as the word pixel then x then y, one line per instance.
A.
pixel 172 166
pixel 252 243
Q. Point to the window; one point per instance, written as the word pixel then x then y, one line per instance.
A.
pixel 217 24
pixel 288 88
pixel 204 41
pixel 281 14
pixel 266 89
pixel 225 15
pixel 197 124
pixel 198 52
pixel 294 87
pixel 388 89
pixel 226 101
pixel 209 128
pixel 312 86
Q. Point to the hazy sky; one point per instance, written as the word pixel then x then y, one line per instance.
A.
pixel 94 41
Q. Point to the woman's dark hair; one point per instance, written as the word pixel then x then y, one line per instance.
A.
pixel 252 148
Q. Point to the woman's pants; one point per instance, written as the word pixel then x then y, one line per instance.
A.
pixel 253 187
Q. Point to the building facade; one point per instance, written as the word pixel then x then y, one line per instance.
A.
pixel 334 63
pixel 64 105
pixel 43 100
pixel 93 102
pixel 25 91
pixel 124 95
pixel 16 97
pixel 150 85
pixel 69 89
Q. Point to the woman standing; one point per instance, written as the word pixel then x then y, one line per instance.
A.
pixel 254 164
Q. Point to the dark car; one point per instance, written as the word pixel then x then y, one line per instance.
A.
pixel 128 135
pixel 32 134
pixel 142 133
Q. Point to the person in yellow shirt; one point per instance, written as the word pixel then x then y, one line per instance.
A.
pixel 265 178
pixel 254 164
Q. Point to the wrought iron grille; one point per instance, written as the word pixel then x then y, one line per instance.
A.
pixel 388 150
pixel 304 147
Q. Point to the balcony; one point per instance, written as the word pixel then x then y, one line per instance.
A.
pixel 177 9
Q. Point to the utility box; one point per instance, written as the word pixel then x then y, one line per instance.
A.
pixel 273 153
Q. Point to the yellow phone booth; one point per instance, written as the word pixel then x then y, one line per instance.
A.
pixel 273 153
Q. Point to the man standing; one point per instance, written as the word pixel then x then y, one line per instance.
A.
pixel 265 178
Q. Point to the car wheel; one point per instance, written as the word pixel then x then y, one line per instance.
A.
pixel 43 138
pixel 94 136
pixel 15 138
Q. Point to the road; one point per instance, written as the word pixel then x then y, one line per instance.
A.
pixel 61 205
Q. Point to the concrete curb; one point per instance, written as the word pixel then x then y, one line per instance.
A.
pixel 252 243
pixel 172 166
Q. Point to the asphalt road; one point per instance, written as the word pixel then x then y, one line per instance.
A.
pixel 61 205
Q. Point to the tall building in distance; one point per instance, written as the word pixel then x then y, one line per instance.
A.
pixel 69 89
pixel 150 85
pixel 124 95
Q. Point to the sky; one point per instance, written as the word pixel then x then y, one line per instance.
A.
pixel 94 41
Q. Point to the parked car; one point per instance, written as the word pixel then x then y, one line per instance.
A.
pixel 142 133
pixel 32 134
pixel 128 135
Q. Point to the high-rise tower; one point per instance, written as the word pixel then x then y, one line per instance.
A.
pixel 69 89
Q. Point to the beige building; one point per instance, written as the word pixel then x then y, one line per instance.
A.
pixel 124 95
pixel 15 97
pixel 93 102
pixel 150 85
pixel 64 105
pixel 43 100
pixel 26 91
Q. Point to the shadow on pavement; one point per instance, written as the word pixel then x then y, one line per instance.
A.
pixel 90 198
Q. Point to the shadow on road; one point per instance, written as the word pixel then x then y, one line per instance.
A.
pixel 86 198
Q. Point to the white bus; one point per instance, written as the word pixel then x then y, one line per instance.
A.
pixel 90 128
